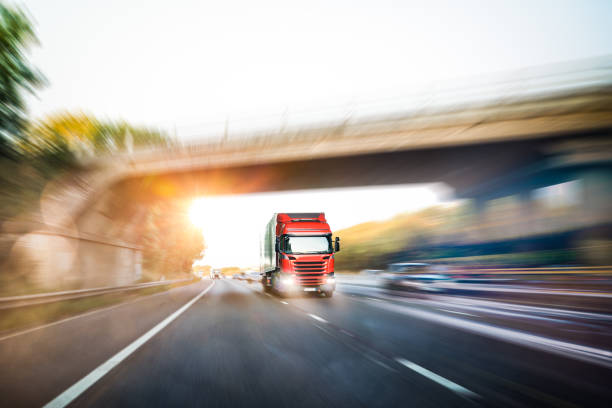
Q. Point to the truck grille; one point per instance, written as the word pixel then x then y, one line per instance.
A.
pixel 309 273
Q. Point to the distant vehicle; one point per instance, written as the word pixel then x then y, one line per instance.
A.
pixel 370 271
pixel 297 254
pixel 414 276
pixel 236 276
pixel 215 274
pixel 252 276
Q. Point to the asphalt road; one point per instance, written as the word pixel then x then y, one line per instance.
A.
pixel 236 346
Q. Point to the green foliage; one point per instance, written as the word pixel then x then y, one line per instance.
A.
pixel 17 76
pixel 33 154
pixel 370 244
pixel 53 146
pixel 77 135
pixel 415 237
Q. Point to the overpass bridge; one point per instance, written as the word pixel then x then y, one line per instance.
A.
pixel 487 148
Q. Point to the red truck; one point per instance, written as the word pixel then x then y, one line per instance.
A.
pixel 297 254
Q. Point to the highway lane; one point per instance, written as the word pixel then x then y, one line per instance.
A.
pixel 36 365
pixel 236 346
pixel 560 321
pixel 499 371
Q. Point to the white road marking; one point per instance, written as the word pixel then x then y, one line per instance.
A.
pixel 436 378
pixel 83 384
pixel 347 333
pixel 460 313
pixel 320 319
pixel 566 349
pixel 283 302
pixel 104 309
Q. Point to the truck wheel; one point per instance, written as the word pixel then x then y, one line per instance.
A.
pixel 329 293
pixel 266 288
pixel 273 282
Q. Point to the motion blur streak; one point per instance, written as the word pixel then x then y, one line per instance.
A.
pixel 468 255
pixel 603 357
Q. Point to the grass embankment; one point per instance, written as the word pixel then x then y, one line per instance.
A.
pixel 31 316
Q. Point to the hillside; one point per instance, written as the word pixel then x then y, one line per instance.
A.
pixel 372 244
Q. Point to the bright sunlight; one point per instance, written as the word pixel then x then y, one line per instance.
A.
pixel 197 212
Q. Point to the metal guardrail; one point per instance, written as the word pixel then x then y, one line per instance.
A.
pixel 11 302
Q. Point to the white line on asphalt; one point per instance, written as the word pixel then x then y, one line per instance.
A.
pixel 320 319
pixel 347 333
pixel 104 309
pixel 566 349
pixel 435 377
pixel 283 302
pixel 84 383
pixel 460 313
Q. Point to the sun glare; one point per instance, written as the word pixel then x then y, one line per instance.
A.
pixel 197 213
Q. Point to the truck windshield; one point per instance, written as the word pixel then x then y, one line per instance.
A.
pixel 307 245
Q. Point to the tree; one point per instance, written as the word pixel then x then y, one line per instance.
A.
pixel 80 134
pixel 17 75
pixel 172 243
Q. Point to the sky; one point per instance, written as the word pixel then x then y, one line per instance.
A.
pixel 185 64
pixel 189 67
pixel 232 238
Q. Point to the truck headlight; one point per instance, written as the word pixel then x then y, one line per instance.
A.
pixel 331 281
pixel 287 280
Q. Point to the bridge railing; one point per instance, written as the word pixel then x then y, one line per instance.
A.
pixel 439 97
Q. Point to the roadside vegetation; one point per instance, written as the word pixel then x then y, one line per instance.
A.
pixel 457 235
pixel 33 153
pixel 171 241
pixel 31 316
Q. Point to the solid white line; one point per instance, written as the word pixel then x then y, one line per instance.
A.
pixel 435 377
pixel 83 384
pixel 104 309
pixel 283 302
pixel 347 333
pixel 320 319
pixel 566 349
pixel 459 313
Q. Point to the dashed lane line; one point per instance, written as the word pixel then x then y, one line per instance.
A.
pixel 317 318
pixel 436 378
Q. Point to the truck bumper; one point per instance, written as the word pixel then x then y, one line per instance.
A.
pixel 295 289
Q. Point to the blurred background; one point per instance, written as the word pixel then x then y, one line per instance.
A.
pixel 479 150
pixel 462 149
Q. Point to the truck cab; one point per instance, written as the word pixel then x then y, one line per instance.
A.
pixel 298 254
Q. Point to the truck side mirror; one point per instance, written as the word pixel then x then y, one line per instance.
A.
pixel 277 245
pixel 337 244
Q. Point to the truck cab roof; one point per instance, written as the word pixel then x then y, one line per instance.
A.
pixel 302 224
